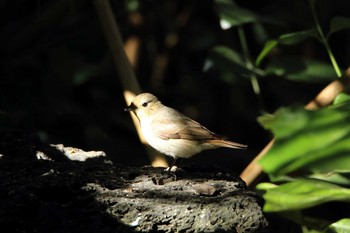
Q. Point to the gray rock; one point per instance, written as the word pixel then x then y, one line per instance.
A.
pixel 98 196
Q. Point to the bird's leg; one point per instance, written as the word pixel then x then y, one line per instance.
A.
pixel 172 167
pixel 174 162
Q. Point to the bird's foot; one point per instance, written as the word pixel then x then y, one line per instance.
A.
pixel 171 169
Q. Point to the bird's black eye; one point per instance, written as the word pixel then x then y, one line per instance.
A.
pixel 144 104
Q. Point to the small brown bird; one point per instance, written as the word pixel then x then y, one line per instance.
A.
pixel 173 133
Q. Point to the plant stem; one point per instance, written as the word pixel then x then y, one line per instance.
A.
pixel 324 40
pixel 253 79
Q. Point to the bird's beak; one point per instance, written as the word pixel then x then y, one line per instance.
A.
pixel 130 108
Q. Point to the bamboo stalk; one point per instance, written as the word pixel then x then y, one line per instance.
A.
pixel 125 72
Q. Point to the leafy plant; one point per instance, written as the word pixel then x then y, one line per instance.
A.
pixel 309 163
pixel 314 146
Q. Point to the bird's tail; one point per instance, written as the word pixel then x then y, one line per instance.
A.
pixel 226 143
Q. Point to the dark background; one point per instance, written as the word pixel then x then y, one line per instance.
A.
pixel 57 77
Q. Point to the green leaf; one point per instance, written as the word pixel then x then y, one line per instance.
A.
pixel 333 177
pixel 341 226
pixel 312 140
pixel 337 24
pixel 229 62
pixel 301 194
pixel 341 98
pixel 308 230
pixel 301 69
pixel 267 120
pixel 133 5
pixel 265 51
pixel 229 54
pixel 285 39
pixel 231 15
pixel 297 37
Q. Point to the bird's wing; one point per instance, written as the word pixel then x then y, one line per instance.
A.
pixel 177 126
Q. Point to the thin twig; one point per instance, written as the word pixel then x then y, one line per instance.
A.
pixel 324 39
pixel 253 79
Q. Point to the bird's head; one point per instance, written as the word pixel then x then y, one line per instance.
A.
pixel 144 105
